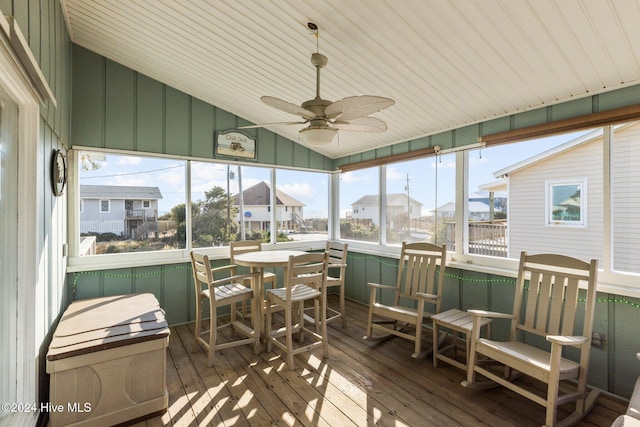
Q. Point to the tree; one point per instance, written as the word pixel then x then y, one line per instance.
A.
pixel 213 223
pixel 179 215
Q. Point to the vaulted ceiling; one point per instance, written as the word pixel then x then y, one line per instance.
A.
pixel 447 64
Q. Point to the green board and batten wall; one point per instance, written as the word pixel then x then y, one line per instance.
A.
pixel 117 108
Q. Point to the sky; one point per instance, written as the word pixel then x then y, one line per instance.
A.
pixel 311 188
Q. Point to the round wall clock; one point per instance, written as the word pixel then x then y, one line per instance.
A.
pixel 58 172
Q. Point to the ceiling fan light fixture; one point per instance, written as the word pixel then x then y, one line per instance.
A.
pixel 318 135
pixel 325 117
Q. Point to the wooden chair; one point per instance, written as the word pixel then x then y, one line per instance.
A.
pixel 305 280
pixel 222 292
pixel 337 264
pixel 418 287
pixel 241 247
pixel 551 309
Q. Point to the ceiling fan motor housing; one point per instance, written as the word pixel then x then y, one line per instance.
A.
pixel 319 60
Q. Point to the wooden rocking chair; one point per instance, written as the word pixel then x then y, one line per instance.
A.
pixel 419 287
pixel 550 308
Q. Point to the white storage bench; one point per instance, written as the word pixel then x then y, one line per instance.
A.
pixel 632 417
pixel 107 361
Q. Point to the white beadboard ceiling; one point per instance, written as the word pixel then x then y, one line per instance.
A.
pixel 446 63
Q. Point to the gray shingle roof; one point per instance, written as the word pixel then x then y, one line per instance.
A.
pixel 260 195
pixel 119 192
pixel 395 199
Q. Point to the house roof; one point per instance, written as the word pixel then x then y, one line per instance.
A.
pixel 569 145
pixel 395 199
pixel 474 207
pixel 260 195
pixel 483 193
pixel 447 64
pixel 495 186
pixel 583 139
pixel 119 192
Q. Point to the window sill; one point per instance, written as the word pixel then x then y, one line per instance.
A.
pixel 180 256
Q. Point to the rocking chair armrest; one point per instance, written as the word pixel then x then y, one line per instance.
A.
pixel 379 286
pixel 336 265
pixel 427 296
pixel 494 314
pixel 638 356
pixel 566 339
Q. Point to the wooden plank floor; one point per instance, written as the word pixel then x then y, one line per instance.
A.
pixel 361 384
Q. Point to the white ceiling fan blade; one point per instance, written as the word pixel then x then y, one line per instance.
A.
pixel 288 107
pixel 361 124
pixel 357 106
pixel 261 125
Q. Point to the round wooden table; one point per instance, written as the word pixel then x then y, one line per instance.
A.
pixel 257 261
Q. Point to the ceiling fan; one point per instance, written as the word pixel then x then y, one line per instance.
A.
pixel 326 118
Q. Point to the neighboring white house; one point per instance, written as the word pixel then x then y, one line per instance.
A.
pixel 366 207
pixel 257 209
pixel 122 210
pixel 478 211
pixel 558 208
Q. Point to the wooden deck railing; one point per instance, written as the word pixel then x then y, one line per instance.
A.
pixel 485 238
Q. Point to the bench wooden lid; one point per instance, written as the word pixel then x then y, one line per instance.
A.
pixel 101 323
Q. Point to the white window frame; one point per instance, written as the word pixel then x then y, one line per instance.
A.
pixel 77 263
pixel 108 205
pixel 549 185
pixel 16 78
pixel 146 204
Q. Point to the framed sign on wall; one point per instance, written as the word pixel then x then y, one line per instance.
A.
pixel 235 144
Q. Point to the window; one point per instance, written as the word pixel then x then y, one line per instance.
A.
pixel 410 201
pixel 231 202
pixel 130 203
pixel 360 188
pixel 254 207
pixel 307 193
pixel 213 213
pixel 441 176
pixel 565 204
